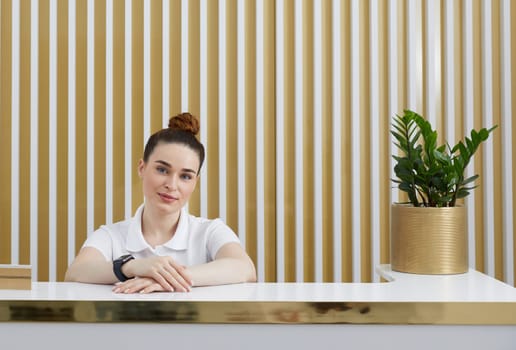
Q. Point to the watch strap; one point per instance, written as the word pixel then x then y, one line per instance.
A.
pixel 117 266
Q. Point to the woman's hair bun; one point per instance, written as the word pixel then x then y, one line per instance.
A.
pixel 185 122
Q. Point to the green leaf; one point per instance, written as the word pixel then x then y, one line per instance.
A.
pixel 475 137
pixel 469 179
pixel 464 152
pixel 470 144
pixel 462 193
pixel 442 157
pixel 400 139
pixel 400 130
pixel 484 134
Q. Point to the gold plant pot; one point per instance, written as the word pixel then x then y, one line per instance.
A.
pixel 429 240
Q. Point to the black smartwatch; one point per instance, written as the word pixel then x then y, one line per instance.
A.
pixel 117 266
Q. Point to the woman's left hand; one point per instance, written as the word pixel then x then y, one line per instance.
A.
pixel 138 285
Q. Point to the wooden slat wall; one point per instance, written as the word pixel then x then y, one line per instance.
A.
pixel 295 99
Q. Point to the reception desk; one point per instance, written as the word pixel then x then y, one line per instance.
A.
pixel 470 310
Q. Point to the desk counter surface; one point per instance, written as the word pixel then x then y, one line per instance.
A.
pixel 470 298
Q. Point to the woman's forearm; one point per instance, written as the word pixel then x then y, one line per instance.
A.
pixel 91 272
pixel 223 271
pixel 90 266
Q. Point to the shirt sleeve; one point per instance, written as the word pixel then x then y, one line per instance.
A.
pixel 219 234
pixel 101 240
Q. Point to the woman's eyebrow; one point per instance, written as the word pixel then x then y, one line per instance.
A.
pixel 162 162
pixel 190 171
pixel 168 165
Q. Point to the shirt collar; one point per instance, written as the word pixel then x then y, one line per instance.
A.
pixel 136 242
pixel 180 239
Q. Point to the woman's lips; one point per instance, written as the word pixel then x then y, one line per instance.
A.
pixel 167 198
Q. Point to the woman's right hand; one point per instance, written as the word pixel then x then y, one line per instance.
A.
pixel 163 269
pixel 140 285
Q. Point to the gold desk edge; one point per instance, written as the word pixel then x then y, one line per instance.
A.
pixel 259 312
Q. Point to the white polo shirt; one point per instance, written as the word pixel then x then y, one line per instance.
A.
pixel 196 241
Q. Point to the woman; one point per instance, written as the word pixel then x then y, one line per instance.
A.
pixel 163 248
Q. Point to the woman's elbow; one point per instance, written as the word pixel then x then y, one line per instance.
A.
pixel 251 272
pixel 252 278
pixel 74 273
pixel 69 276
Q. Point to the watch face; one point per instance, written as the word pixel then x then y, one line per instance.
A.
pixel 117 266
pixel 125 258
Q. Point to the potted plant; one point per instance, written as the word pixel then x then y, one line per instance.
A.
pixel 429 231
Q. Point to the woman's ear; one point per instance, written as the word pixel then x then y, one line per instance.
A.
pixel 141 167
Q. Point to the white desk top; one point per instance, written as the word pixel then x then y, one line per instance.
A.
pixel 455 292
pixel 469 287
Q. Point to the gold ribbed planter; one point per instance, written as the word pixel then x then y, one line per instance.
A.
pixel 429 240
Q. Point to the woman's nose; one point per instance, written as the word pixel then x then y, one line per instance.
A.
pixel 171 183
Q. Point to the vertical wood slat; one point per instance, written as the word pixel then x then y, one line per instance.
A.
pixel 71 132
pixel 61 217
pixel 81 224
pixel 287 201
pixel 52 138
pixel 193 65
pixel 485 116
pixel 34 82
pixel 166 62
pixel 51 135
pixel 346 195
pixel 280 144
pixel 298 137
pixel 308 142
pixel 375 120
pixel 175 23
pixel 355 134
pixel 231 117
pixel 99 123
pixel 250 130
pixel 118 132
pixel 382 255
pixel 336 124
pixel 260 125
pixel 212 112
pixel 286 230
pixel 512 112
pixel 15 131
pixel 326 135
pixel 317 169
pixel 5 127
pixel 467 33
pixel 222 98
pixel 476 165
pixel 241 128
pixel 90 114
pixel 494 147
pixel 202 187
pixel 24 132
pixel 448 83
pixel 156 66
pixel 43 143
pixel 365 145
pixel 393 88
pixel 146 70
pixel 269 142
pixel 508 77
pixel 129 171
pixel 109 120
pixel 137 111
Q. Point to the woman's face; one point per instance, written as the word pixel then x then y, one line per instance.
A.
pixel 169 177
